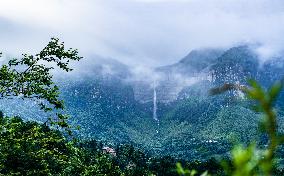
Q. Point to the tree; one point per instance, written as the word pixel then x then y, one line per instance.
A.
pixel 30 77
pixel 253 160
pixel 29 148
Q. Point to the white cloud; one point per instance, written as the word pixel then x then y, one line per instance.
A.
pixel 149 32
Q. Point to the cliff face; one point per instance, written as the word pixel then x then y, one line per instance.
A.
pixel 210 66
pixel 236 65
pixel 206 67
pixel 173 79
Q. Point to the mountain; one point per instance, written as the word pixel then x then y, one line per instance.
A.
pixel 271 70
pixel 192 124
pixel 109 102
pixel 195 62
pixel 172 79
pixel 235 65
pixel 96 67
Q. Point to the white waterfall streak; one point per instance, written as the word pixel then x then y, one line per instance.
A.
pixel 155 103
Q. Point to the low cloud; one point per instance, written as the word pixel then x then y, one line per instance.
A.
pixel 142 32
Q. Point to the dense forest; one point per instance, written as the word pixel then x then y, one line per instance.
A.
pixel 56 147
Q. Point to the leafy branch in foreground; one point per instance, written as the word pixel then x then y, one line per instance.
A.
pixel 252 160
pixel 30 78
pixel 186 172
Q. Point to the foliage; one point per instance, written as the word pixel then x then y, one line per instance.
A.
pixel 255 160
pixel 94 102
pixel 30 78
pixel 187 172
pixel 29 148
pixel 251 161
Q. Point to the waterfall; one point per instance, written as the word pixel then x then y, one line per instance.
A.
pixel 155 103
pixel 155 117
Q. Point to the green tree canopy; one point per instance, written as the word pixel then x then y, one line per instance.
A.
pixel 29 77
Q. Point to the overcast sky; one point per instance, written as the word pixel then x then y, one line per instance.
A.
pixel 148 32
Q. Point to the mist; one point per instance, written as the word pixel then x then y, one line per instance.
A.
pixel 142 32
